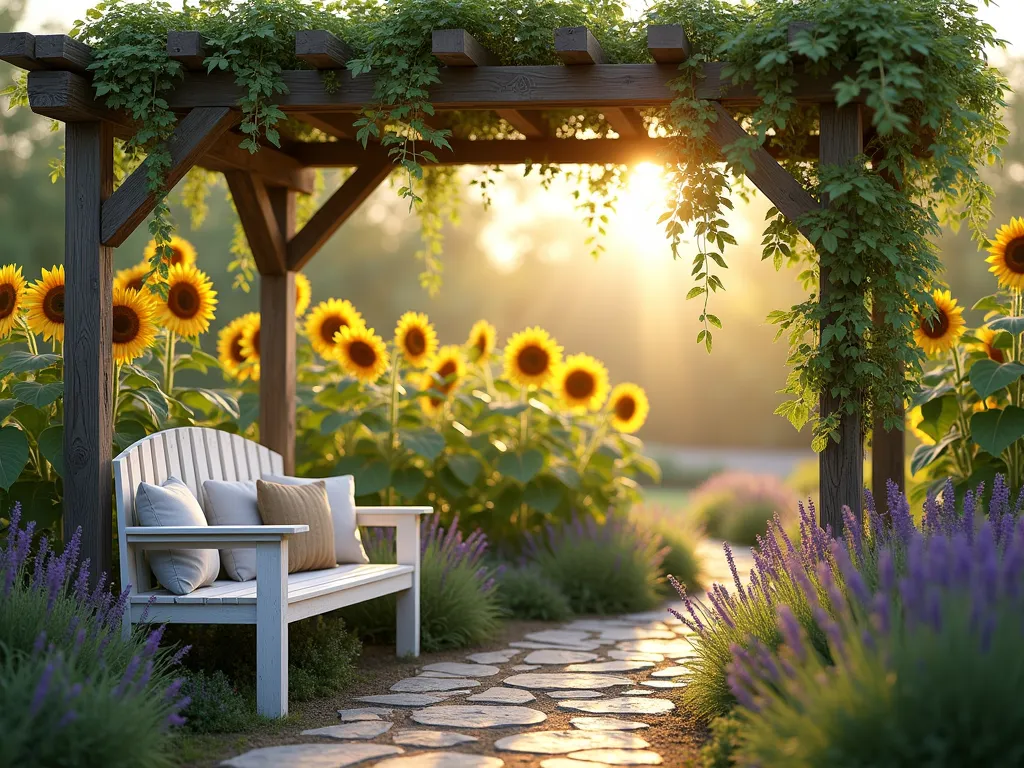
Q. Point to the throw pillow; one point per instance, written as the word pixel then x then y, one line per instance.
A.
pixel 231 502
pixel 341 494
pixel 297 505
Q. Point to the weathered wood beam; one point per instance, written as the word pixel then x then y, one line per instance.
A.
pixel 840 464
pixel 531 124
pixel 458 48
pixel 321 50
pixel 667 43
pixel 63 52
pixel 266 240
pixel 626 122
pixel 133 201
pixel 277 344
pixel 336 124
pixel 188 47
pixel 19 49
pixel 68 97
pixel 275 168
pixel 577 45
pixel 775 182
pixel 336 210
pixel 88 350
pixel 528 87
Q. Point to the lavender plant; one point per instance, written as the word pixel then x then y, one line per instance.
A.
pixel 526 593
pixel 73 691
pixel 737 506
pixel 926 666
pixel 609 567
pixel 458 593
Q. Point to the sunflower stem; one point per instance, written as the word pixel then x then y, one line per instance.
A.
pixel 30 337
pixel 599 433
pixel 393 418
pixel 1016 398
pixel 117 390
pixel 169 364
pixel 964 431
pixel 524 420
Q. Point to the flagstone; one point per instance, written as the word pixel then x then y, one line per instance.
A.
pixel 500 695
pixel 559 657
pixel 620 705
pixel 363 713
pixel 563 742
pixel 561 636
pixel 494 657
pixel 460 668
pixel 533 645
pixel 525 667
pixel 424 738
pixel 404 699
pixel 662 684
pixel 610 666
pixel 565 681
pixel 312 756
pixel 445 760
pixel 477 716
pixel 432 684
pixel 615 653
pixel 575 694
pixel 671 648
pixel 362 729
pixel 676 671
pixel 618 756
pixel 607 724
pixel 568 762
pixel 615 634
pixel 637 692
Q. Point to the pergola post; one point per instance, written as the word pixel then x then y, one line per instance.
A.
pixel 88 352
pixel 277 343
pixel 841 464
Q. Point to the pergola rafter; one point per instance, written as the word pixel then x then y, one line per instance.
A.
pixel 264 186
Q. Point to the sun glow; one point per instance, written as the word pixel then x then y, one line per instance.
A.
pixel 640 205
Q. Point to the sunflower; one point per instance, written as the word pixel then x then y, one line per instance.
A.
pixel 531 357
pixel 986 343
pixel 444 371
pixel 990 403
pixel 303 293
pixel 629 407
pixel 229 348
pixel 250 344
pixel 182 251
pixel 431 404
pixel 44 301
pixel 914 419
pixel 134 324
pixel 1007 254
pixel 482 340
pixel 191 299
pixel 944 329
pixel 581 382
pixel 362 353
pixel 132 277
pixel 12 293
pixel 324 322
pixel 416 338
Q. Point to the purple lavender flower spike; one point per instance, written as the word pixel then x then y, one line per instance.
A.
pixel 792 634
pixel 41 691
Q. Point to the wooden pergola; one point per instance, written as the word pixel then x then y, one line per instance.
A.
pixel 264 186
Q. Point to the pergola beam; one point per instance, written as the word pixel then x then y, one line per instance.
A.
pixel 266 240
pixel 667 43
pixel 187 47
pixel 336 124
pixel 63 52
pixel 458 48
pixel 321 50
pixel 577 45
pixel 531 124
pixel 134 201
pixel 337 210
pixel 274 167
pixel 19 50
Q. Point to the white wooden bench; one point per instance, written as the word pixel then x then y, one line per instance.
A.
pixel 275 598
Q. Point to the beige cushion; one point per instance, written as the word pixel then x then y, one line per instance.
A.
pixel 230 502
pixel 300 505
pixel 172 504
pixel 341 494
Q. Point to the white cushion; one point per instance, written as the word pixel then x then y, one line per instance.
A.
pixel 234 503
pixel 180 571
pixel 341 495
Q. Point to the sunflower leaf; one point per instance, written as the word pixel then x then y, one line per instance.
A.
pixel 996 430
pixel 927 454
pixel 51 445
pixel 988 377
pixel 20 361
pixel 13 455
pixel 424 442
pixel 938 416
pixel 1014 325
pixel 465 467
pixel 522 467
pixel 39 395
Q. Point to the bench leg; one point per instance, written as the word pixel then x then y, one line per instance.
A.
pixel 407 635
pixel 272 628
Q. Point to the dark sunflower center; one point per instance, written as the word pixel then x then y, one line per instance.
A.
pixel 135 285
pixel 481 343
pixel 580 385
pixel 533 360
pixel 1015 255
pixel 362 354
pixel 53 305
pixel 443 373
pixel 329 327
pixel 236 350
pixel 936 327
pixel 126 325
pixel 625 407
pixel 415 342
pixel 177 255
pixel 8 299
pixel 995 354
pixel 256 344
pixel 183 301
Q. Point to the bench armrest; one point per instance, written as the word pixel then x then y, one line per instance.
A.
pixel 387 517
pixel 208 536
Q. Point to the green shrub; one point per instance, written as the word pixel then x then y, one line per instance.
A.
pixel 215 704
pixel 603 568
pixel 681 559
pixel 526 593
pixel 458 601
pixel 737 506
pixel 717 752
pixel 321 654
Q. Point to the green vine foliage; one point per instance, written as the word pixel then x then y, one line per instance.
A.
pixel 919 68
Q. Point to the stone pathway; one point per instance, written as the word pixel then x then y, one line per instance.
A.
pixel 580 696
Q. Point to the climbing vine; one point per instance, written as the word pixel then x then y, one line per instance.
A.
pixel 918 67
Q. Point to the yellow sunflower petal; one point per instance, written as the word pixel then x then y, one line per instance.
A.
pixel 581 382
pixel 303 293
pixel 531 357
pixel 362 353
pixel 1007 254
pixel 629 407
pixel 943 330
pixel 190 302
pixel 482 339
pixel 415 338
pixel 914 419
pixel 445 370
pixel 182 251
pixel 44 301
pixel 12 297
pixel 251 344
pixel 229 348
pixel 134 324
pixel 132 277
pixel 987 343
pixel 324 322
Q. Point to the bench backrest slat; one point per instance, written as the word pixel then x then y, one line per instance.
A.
pixel 193 455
